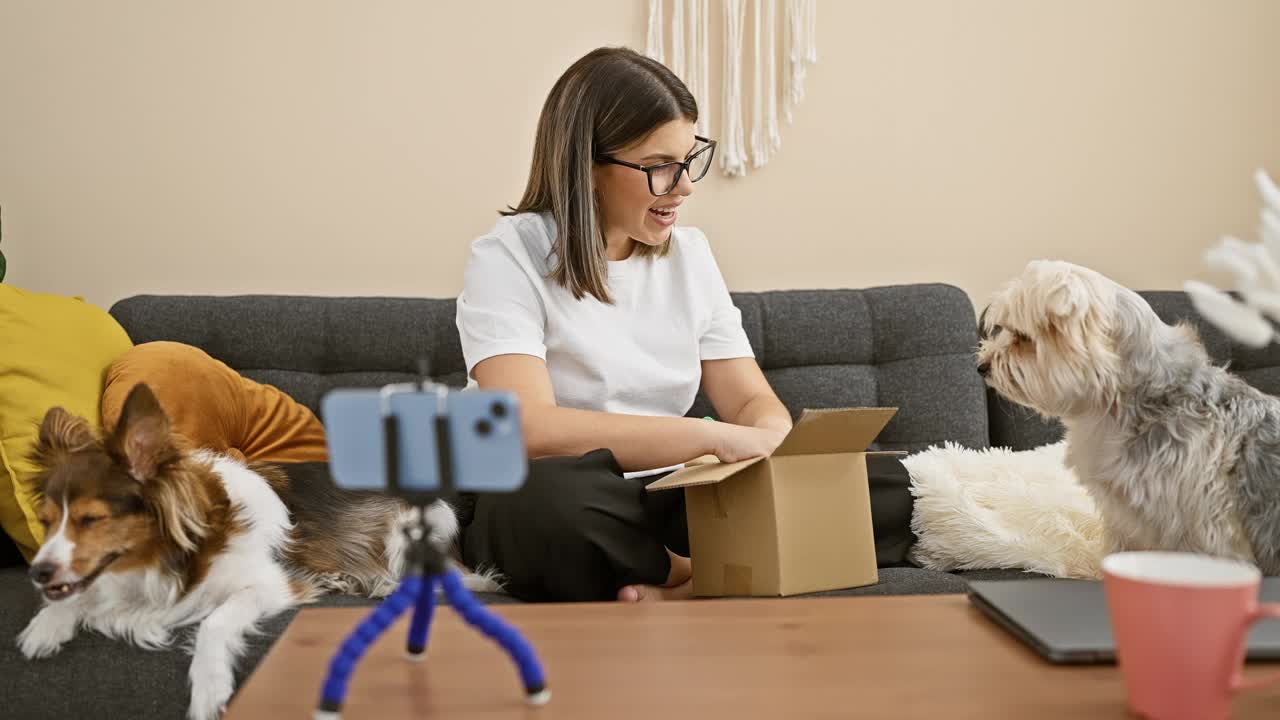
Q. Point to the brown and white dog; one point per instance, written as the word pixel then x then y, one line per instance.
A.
pixel 146 536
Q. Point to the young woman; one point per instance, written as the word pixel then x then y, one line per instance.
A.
pixel 604 317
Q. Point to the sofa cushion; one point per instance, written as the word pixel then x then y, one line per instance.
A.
pixel 303 345
pixel 907 346
pixel 871 347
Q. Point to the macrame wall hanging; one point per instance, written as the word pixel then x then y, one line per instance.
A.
pixel 774 64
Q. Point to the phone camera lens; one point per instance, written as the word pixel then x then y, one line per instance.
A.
pixel 499 410
pixel 483 428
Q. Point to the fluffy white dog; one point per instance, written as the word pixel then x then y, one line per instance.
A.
pixel 1178 453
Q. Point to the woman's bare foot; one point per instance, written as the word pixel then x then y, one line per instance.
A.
pixel 655 593
pixel 679 584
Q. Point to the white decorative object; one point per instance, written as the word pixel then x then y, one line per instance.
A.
pixel 733 151
pixel 677 39
pixel 771 82
pixel 653 41
pixel 761 139
pixel 689 53
pixel 1253 268
pixel 1002 509
pixel 688 41
pixel 690 61
pixel 800 47
pixel 703 47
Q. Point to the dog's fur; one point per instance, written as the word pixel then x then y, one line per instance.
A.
pixel 1178 453
pixel 146 536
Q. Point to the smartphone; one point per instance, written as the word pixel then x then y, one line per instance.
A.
pixel 486 444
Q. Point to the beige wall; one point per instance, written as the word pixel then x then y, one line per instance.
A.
pixel 357 147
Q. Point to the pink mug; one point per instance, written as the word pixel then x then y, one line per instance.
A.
pixel 1180 621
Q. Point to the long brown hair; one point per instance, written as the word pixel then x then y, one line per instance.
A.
pixel 608 100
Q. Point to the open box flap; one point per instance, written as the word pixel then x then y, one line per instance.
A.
pixel 700 474
pixel 836 430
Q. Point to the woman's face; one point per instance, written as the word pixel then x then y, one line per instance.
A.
pixel 630 211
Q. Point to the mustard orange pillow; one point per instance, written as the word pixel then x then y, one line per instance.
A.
pixel 54 350
pixel 214 406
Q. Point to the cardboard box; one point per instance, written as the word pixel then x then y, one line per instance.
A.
pixel 794 522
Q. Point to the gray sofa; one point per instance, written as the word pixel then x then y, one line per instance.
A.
pixel 905 346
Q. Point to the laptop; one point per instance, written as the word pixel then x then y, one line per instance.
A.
pixel 1066 621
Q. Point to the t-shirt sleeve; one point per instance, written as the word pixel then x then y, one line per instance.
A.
pixel 499 309
pixel 724 337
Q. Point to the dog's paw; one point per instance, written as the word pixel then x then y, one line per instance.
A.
pixel 46 634
pixel 490 581
pixel 444 524
pixel 151 637
pixel 211 687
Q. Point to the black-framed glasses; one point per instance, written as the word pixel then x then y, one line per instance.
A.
pixel 664 177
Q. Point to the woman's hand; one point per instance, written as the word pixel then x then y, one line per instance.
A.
pixel 733 443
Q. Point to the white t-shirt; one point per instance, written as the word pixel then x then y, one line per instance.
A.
pixel 640 355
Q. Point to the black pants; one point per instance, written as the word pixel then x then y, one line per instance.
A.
pixel 577 530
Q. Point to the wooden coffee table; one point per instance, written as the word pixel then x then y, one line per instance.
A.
pixel 877 657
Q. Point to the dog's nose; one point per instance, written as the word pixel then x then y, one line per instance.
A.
pixel 42 572
pixel 984 369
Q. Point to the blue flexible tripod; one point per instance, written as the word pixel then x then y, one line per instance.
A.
pixel 426 567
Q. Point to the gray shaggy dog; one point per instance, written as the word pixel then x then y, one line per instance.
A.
pixel 1178 453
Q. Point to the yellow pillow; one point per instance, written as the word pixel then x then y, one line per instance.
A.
pixel 54 350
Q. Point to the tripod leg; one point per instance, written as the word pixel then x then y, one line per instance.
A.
pixel 477 615
pixel 343 664
pixel 420 626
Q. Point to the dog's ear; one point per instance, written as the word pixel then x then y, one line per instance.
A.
pixel 1064 291
pixel 1065 299
pixel 60 431
pixel 141 439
